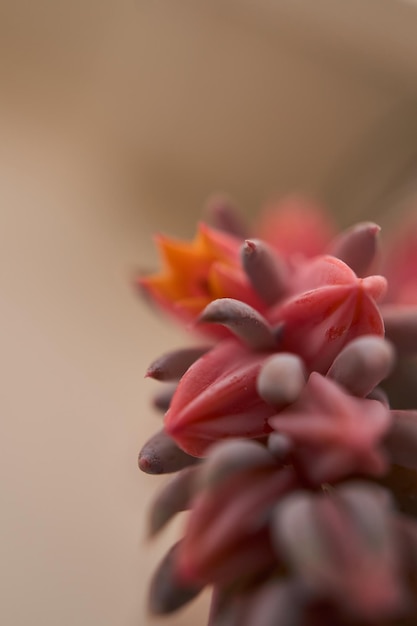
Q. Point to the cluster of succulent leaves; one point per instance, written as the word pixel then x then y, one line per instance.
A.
pixel 290 429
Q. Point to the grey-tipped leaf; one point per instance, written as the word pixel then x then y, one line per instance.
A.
pixel 343 546
pixel 172 499
pixel 357 247
pixel 406 528
pixel 401 327
pixel 365 497
pixel 379 394
pixel 225 216
pixel 275 603
pixel 173 365
pixel 167 592
pixel 282 379
pixel 161 455
pixel 231 457
pixel 162 398
pixel 401 441
pixel 363 364
pixel 265 270
pixel 246 323
pixel 280 446
pixel 228 612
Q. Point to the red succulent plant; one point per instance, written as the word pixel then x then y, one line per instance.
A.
pixel 286 450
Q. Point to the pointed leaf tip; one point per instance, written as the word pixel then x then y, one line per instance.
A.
pixel 357 247
pixel 173 498
pixel 172 365
pixel 162 399
pixel 161 455
pixel 167 592
pixel 265 270
pixel 225 215
pixel 249 246
pixel 244 321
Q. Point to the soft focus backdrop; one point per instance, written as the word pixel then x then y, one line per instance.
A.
pixel 118 119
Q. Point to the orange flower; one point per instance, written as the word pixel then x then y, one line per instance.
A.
pixel 197 272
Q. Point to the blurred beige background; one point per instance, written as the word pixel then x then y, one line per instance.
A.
pixel 118 119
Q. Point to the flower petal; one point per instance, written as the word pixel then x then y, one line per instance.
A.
pixel 325 414
pixel 226 538
pixel 319 323
pixel 217 399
